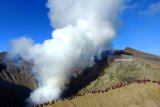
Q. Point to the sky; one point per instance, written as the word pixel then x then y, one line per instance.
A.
pixel 138 27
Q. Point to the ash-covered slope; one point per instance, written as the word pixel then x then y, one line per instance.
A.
pixel 16 82
pixel 117 67
pixel 132 95
pixel 121 71
pixel 120 66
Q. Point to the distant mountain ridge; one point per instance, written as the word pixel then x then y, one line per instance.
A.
pixel 137 53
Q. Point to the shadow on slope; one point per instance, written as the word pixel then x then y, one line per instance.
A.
pixel 16 82
pixel 90 74
pixel 13 95
pixel 85 78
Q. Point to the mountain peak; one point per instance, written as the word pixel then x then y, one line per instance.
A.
pixel 138 53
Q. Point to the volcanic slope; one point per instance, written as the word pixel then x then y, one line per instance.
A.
pixel 113 69
pixel 16 82
pixel 121 71
pixel 122 66
pixel 132 95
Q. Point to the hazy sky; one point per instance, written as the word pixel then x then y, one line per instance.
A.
pixel 139 25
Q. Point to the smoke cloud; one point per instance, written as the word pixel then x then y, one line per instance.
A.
pixel 83 29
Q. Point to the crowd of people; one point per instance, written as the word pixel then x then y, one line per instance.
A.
pixel 94 91
pixel 129 82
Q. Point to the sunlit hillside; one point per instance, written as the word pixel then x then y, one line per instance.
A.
pixel 133 95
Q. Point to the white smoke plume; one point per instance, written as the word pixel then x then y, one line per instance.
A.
pixel 83 29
